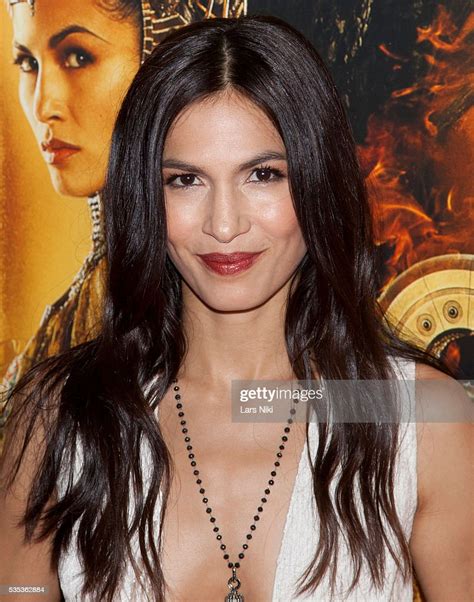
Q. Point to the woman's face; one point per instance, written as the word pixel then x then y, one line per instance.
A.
pixel 72 82
pixel 226 191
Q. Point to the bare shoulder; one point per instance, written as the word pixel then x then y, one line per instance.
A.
pixel 443 538
pixel 424 372
pixel 431 380
pixel 444 431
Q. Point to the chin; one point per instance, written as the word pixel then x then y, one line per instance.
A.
pixel 234 303
pixel 72 187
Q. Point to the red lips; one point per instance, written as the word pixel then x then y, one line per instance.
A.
pixel 227 257
pixel 227 264
pixel 58 151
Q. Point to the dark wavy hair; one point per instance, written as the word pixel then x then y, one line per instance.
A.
pixel 104 393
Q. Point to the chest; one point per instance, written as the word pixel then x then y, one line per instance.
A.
pixel 234 479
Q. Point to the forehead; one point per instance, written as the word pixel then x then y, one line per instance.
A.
pixel 52 16
pixel 227 124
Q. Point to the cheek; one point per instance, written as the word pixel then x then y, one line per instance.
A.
pixel 116 76
pixel 96 113
pixel 183 223
pixel 279 220
pixel 25 95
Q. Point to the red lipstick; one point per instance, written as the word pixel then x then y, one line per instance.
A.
pixel 228 264
pixel 57 151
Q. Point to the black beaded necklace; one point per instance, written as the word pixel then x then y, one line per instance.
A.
pixel 233 583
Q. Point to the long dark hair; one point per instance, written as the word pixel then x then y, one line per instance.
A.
pixel 104 393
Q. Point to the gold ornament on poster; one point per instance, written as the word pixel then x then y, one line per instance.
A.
pixel 432 304
pixel 173 14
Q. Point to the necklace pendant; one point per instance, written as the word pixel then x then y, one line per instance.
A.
pixel 233 584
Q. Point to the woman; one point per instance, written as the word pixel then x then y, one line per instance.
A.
pixel 232 139
pixel 76 62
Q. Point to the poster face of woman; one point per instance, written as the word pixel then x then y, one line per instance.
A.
pixel 75 63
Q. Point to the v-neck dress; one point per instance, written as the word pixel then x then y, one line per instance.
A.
pixel 300 535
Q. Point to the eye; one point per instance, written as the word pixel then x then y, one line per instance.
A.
pixel 186 180
pixel 26 63
pixel 264 174
pixel 77 58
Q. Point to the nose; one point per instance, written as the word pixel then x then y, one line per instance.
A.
pixel 49 96
pixel 227 215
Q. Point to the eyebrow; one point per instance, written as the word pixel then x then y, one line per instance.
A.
pixel 260 158
pixel 55 39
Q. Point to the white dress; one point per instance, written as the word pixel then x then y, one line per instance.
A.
pixel 300 536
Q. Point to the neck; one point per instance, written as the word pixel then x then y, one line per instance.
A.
pixel 241 345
